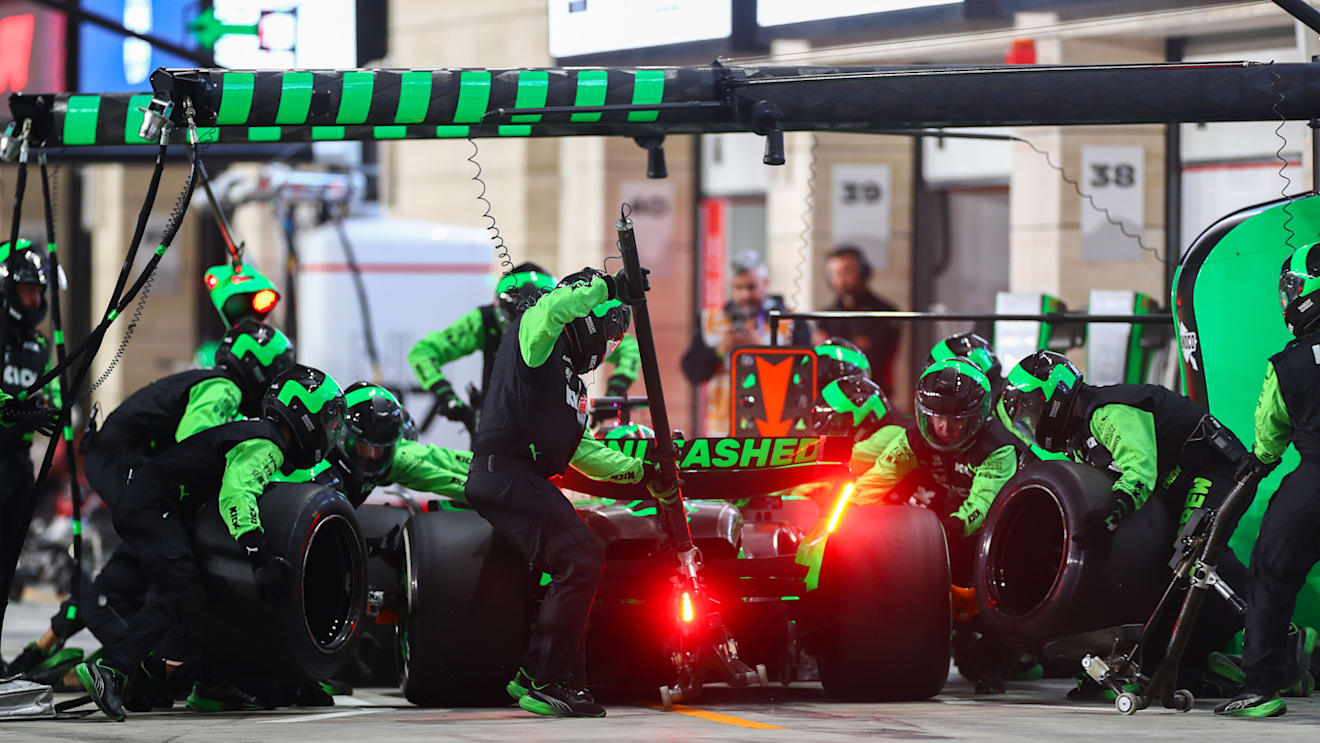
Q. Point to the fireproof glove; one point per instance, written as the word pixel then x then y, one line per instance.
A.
pixel 273 573
pixel 624 289
pixel 1096 531
pixel 451 406
pixel 954 527
pixel 665 492
pixel 1252 466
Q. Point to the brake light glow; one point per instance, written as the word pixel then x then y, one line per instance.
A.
pixel 211 281
pixel 686 613
pixel 839 505
pixel 264 300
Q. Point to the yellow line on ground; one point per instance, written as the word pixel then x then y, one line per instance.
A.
pixel 717 717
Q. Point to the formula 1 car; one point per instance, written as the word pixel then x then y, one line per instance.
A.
pixel 811 588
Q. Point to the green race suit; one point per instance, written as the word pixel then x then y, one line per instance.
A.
pixel 481 330
pixel 1274 426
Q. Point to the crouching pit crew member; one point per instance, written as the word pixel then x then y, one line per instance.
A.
pixel 969 454
pixel 302 420
pixel 1166 450
pixel 533 426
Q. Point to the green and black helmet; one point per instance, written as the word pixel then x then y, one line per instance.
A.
pixel 953 404
pixel 520 288
pixel 971 347
pixel 838 358
pixel 594 336
pixel 1299 283
pixel 255 353
pixel 1039 397
pixel 308 406
pixel 23 265
pixel 629 431
pixel 409 432
pixel 852 406
pixel 240 293
pixel 373 427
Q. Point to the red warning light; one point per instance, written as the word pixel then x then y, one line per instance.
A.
pixel 686 613
pixel 264 300
pixel 211 281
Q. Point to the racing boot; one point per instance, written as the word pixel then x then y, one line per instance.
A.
pixel 559 700
pixel 1223 677
pixel 1303 640
pixel 313 694
pixel 517 688
pixel 1247 704
pixel 221 697
pixel 149 687
pixel 105 685
pixel 1027 668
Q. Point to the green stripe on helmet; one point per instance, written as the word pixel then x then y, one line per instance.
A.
pixel 941 351
pixel 840 402
pixel 963 366
pixel 362 394
pixel 1297 265
pixel 535 278
pixel 313 400
pixel 1028 382
pixel 845 355
pixel 246 344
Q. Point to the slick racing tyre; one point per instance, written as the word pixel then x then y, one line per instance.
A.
pixel 885 621
pixel 469 603
pixel 311 632
pixel 376 659
pixel 1033 584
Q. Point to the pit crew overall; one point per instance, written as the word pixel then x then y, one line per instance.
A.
pixel 148 422
pixel 26 355
pixel 228 466
pixel 1289 541
pixel 481 330
pixel 533 425
pixel 1166 448
pixel 422 467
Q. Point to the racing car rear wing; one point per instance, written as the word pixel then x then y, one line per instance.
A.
pixel 730 468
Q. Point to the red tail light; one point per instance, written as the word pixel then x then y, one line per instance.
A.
pixel 686 612
pixel 211 281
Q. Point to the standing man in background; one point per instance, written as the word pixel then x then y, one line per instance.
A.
pixel 848 272
pixel 743 321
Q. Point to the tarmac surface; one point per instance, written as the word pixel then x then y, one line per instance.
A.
pixel 801 714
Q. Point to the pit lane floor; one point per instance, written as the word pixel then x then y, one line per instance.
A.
pixel 801 714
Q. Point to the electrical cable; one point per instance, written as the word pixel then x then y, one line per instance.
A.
pixel 501 250
pixel 364 306
pixel 804 236
pixel 66 396
pixel 1283 162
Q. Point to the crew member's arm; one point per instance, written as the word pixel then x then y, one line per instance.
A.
pixel 598 461
pixel 896 462
pixel 429 355
pixel 430 469
pixel 249 467
pixel 211 402
pixel 1273 422
pixel 865 453
pixel 627 362
pixel 1129 435
pixel 543 321
pixel 988 479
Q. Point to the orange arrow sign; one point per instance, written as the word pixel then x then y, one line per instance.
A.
pixel 774 393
